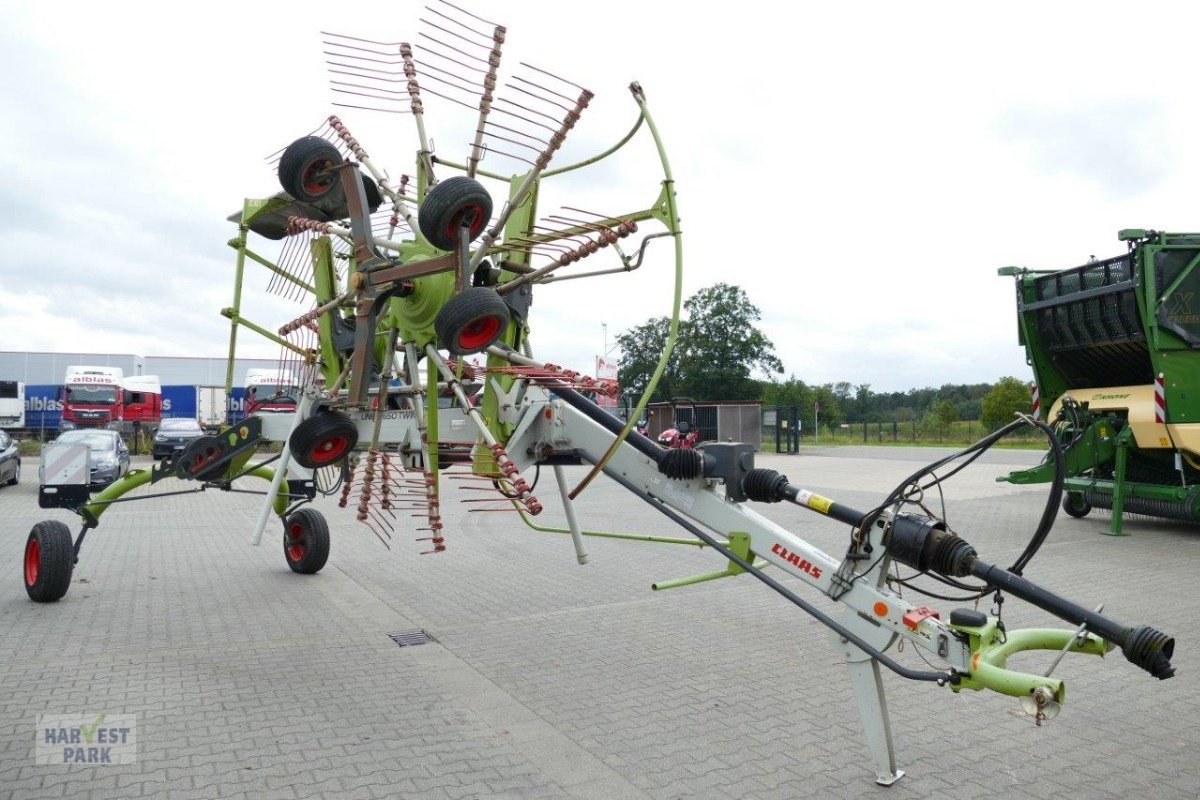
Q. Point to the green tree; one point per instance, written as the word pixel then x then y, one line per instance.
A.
pixel 717 349
pixel 792 392
pixel 722 347
pixel 641 347
pixel 1007 397
pixel 831 407
pixel 946 412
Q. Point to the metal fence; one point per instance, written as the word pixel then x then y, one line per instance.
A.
pixel 724 422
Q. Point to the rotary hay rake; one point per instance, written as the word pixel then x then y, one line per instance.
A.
pixel 396 274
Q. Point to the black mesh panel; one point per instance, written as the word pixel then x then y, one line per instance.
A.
pixel 1096 340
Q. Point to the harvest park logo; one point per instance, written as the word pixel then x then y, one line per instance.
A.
pixel 86 739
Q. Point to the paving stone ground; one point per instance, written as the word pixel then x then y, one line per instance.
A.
pixel 552 680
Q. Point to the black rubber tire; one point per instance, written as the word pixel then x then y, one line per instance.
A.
pixel 306 541
pixel 374 196
pixel 448 206
pixel 323 439
pixel 49 560
pixel 305 169
pixel 471 320
pixel 16 478
pixel 1075 506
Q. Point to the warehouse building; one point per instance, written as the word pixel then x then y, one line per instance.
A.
pixel 31 368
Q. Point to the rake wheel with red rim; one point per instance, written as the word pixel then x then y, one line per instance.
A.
pixel 471 321
pixel 307 169
pixel 49 561
pixel 450 205
pixel 306 541
pixel 325 438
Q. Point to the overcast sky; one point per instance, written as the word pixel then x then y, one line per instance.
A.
pixel 860 169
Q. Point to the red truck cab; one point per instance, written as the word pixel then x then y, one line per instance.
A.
pixel 101 397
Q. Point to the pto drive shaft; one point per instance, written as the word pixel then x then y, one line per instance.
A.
pixel 925 544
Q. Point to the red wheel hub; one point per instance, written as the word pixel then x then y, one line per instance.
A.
pixel 471 215
pixel 479 333
pixel 329 450
pixel 296 542
pixel 33 557
pixel 317 176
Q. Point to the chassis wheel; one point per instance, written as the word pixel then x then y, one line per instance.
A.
pixel 322 439
pixel 451 204
pixel 306 169
pixel 306 541
pixel 49 561
pixel 1074 504
pixel 471 320
pixel 16 478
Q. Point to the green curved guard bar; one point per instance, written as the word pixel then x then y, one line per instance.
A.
pixel 140 477
pixel 991 648
pixel 636 537
pixel 668 214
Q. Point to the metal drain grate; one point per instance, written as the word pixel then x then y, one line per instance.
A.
pixel 410 638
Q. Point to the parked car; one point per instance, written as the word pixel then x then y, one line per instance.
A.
pixel 108 456
pixel 174 434
pixel 10 460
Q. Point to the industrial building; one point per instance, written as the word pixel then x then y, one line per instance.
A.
pixel 31 367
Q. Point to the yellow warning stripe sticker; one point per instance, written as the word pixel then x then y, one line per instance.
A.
pixel 814 501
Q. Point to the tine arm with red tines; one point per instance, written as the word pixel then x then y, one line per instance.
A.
pixel 505 464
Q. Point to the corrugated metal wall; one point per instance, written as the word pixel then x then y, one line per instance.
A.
pixel 32 367
pixel 51 368
pixel 203 371
pixel 741 424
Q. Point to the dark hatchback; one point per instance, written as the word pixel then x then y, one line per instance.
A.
pixel 174 434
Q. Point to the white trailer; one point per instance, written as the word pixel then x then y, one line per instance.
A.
pixel 12 404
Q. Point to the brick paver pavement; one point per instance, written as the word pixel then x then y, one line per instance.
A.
pixel 551 680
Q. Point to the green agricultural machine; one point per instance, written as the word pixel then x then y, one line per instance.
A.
pixel 1114 350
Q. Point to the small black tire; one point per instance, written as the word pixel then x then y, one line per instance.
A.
pixel 49 561
pixel 16 478
pixel 471 320
pixel 374 196
pixel 451 204
pixel 1075 505
pixel 323 439
pixel 306 541
pixel 306 169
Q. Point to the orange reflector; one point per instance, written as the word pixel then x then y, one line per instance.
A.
pixel 881 609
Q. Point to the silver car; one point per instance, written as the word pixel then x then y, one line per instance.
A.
pixel 108 455
pixel 10 460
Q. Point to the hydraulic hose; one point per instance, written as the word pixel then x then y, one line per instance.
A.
pixel 610 423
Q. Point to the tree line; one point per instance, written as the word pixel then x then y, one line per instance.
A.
pixel 719 350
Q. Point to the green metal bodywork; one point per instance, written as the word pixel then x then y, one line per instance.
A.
pixel 1118 322
pixel 991 646
pixel 1166 285
pixel 140 477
